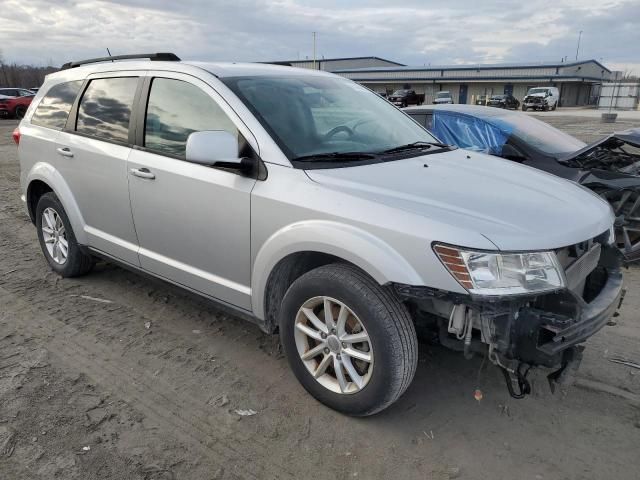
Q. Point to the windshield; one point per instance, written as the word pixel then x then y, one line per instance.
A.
pixel 537 90
pixel 400 92
pixel 538 134
pixel 315 115
pixel 443 95
pixel 498 97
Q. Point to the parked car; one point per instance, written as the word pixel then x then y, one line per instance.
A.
pixel 541 98
pixel 405 97
pixel 610 166
pixel 338 222
pixel 503 101
pixel 16 92
pixel 14 106
pixel 443 97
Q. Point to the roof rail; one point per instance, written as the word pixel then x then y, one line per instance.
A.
pixel 163 57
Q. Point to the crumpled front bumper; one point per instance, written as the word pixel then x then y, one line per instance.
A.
pixel 540 337
pixel 541 330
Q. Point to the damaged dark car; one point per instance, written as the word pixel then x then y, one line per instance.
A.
pixel 610 167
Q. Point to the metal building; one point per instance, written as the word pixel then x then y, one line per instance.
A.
pixel 333 64
pixel 578 82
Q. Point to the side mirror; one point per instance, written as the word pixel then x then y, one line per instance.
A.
pixel 212 146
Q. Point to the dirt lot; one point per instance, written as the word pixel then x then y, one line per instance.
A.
pixel 115 376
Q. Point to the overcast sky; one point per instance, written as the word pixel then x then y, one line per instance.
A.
pixel 411 31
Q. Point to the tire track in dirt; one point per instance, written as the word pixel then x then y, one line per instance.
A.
pixel 178 413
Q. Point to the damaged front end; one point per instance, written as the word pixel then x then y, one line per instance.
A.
pixel 611 168
pixel 519 332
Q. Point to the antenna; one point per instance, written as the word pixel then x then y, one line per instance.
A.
pixel 109 52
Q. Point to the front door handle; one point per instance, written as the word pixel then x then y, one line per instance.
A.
pixel 65 151
pixel 142 173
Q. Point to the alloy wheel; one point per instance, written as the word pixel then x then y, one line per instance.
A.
pixel 334 345
pixel 54 236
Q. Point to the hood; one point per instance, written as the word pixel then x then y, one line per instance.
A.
pixel 515 207
pixel 541 94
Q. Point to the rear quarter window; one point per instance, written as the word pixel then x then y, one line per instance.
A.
pixel 105 108
pixel 54 108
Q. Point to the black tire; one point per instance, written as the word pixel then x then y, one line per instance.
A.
pixel 19 112
pixel 524 109
pixel 77 262
pixel 386 320
pixel 555 105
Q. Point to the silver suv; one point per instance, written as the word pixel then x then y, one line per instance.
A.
pixel 313 207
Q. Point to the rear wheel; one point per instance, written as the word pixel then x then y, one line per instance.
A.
pixel 57 240
pixel 524 109
pixel 350 342
pixel 20 111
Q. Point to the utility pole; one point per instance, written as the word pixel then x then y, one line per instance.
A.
pixel 578 48
pixel 314 50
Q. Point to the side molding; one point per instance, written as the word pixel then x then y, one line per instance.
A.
pixel 350 243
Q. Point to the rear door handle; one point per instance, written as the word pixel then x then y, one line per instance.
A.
pixel 142 173
pixel 65 151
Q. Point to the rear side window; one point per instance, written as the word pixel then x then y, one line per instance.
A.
pixel 174 111
pixel 55 106
pixel 105 108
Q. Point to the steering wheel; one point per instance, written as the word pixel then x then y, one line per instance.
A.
pixel 338 129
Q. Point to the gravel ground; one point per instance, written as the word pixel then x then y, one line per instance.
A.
pixel 116 376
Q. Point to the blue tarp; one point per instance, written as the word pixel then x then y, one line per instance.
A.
pixel 468 132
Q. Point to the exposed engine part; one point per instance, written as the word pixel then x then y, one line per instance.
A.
pixel 458 321
pixel 524 387
pixel 608 156
pixel 520 332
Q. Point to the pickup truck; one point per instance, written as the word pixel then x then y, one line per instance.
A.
pixel 332 219
pixel 405 97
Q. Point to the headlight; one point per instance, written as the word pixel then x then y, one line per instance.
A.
pixel 491 273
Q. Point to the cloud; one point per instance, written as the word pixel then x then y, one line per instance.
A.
pixel 412 32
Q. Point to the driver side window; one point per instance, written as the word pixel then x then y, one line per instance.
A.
pixel 175 110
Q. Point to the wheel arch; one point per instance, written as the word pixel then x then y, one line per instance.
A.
pixel 43 178
pixel 298 248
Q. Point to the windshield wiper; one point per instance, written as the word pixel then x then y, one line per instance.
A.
pixel 413 146
pixel 337 156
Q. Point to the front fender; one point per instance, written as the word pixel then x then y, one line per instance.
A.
pixel 349 243
pixel 46 173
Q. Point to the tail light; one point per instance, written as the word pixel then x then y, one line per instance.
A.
pixel 16 135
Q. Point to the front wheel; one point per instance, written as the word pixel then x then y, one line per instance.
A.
pixel 349 341
pixel 524 109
